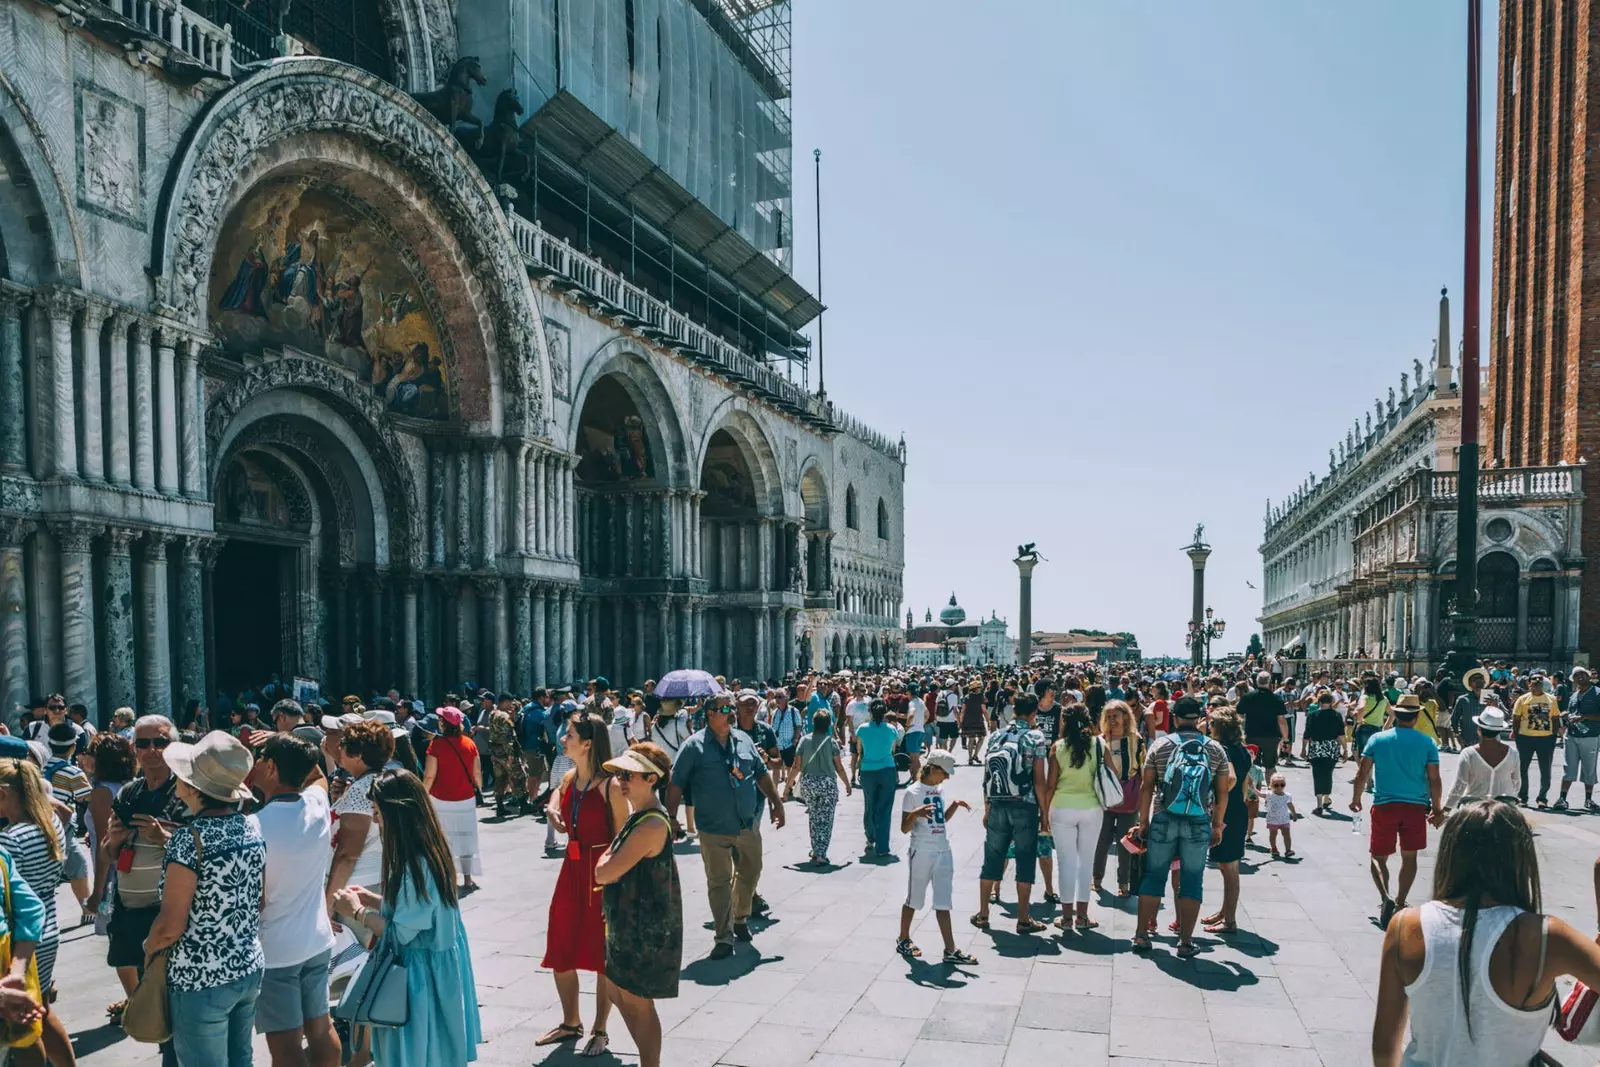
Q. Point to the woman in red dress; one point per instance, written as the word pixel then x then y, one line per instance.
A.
pixel 588 808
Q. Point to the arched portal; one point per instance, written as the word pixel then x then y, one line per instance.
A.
pixel 1497 602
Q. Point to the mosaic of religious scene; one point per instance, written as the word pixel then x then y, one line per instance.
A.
pixel 252 497
pixel 612 446
pixel 725 478
pixel 297 266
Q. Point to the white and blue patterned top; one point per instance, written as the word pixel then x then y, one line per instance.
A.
pixel 222 942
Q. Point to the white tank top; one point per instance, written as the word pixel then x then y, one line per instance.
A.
pixel 1502 1035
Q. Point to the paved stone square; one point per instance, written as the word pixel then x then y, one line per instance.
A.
pixel 822 984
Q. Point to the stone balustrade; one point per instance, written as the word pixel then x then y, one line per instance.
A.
pixel 185 30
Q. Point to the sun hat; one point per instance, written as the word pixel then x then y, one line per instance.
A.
pixel 1408 704
pixel 637 762
pixel 451 715
pixel 381 715
pixel 1492 719
pixel 13 747
pixel 339 722
pixel 217 765
pixel 942 760
pixel 1479 672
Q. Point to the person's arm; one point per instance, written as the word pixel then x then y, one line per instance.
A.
pixel 1219 805
pixel 349 840
pixel 1052 780
pixel 100 815
pixel 1435 789
pixel 475 768
pixel 430 771
pixel 774 800
pixel 1389 1024
pixel 1466 771
pixel 552 808
pixel 177 894
pixel 1147 794
pixel 910 813
pixel 838 767
pixel 647 838
pixel 1363 769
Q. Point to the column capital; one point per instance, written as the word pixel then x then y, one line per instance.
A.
pixel 13 532
pixel 96 311
pixel 194 547
pixel 157 540
pixel 75 536
pixel 210 550
pixel 119 540
pixel 57 303
pixel 488 586
pixel 14 299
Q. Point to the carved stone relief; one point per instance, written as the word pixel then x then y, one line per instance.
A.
pixel 110 154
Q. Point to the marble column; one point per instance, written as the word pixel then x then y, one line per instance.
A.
pixel 167 413
pixel 81 679
pixel 468 664
pixel 630 536
pixel 568 626
pixel 522 677
pixel 436 508
pixel 120 469
pixel 568 465
pixel 192 622
pixel 641 658
pixel 191 430
pixel 696 560
pixel 791 655
pixel 1521 630
pixel 530 500
pixel 463 509
pixel 540 627
pixel 14 618
pixel 666 654
pixel 541 502
pixel 488 509
pixel 730 650
pixel 339 671
pixel 552 637
pixel 143 415
pixel 411 674
pixel 502 644
pixel 91 455
pixel 700 636
pixel 428 687
pixel 766 540
pixel 59 308
pixel 761 641
pixel 155 690
pixel 683 622
pixel 517 482
pixel 13 397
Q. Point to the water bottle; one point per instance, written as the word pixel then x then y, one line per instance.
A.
pixel 1357 823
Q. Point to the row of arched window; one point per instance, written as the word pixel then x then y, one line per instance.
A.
pixel 852 517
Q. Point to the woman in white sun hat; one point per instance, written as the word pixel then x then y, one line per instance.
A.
pixel 1488 768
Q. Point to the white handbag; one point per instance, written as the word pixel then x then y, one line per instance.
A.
pixel 1107 783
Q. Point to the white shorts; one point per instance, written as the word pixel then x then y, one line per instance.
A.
pixel 938 867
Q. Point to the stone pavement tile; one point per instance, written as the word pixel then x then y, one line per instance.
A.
pixel 1253 1025
pixel 829 1059
pixel 838 976
pixel 1030 1048
pixel 1342 1046
pixel 984 1024
pixel 773 1045
pixel 1237 1055
pixel 874 1036
pixel 1087 981
pixel 1178 1001
pixel 1321 981
pixel 1003 989
pixel 718 1021
pixel 1351 1014
pixel 1066 1011
pixel 1187 1042
pixel 927 1053
pixel 760 986
pixel 902 999
pixel 824 1010
pixel 1266 993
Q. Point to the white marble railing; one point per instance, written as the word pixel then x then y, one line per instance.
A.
pixel 187 31
pixel 1532 483
pixel 553 256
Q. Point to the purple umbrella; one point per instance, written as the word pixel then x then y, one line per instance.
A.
pixel 687 685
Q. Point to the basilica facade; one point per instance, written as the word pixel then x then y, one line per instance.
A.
pixel 289 386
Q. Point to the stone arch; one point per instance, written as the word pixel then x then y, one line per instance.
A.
pixel 883 520
pixel 385 146
pixel 814 496
pixel 758 453
pixel 43 244
pixel 852 514
pixel 303 390
pixel 634 373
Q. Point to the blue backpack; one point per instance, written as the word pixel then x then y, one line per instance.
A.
pixel 1187 784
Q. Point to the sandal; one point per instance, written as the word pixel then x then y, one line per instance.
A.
pixel 1221 928
pixel 1187 951
pixel 1052 898
pixel 1029 925
pixel 564 1032
pixel 907 949
pixel 956 956
pixel 980 921
pixel 1064 924
pixel 1085 923
pixel 1140 942
pixel 598 1042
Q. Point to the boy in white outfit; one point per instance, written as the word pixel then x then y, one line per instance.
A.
pixel 925 816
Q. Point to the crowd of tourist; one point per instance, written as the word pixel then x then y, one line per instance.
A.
pixel 275 863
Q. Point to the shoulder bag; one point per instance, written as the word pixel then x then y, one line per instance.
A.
pixel 1107 783
pixel 477 794
pixel 147 1018
pixel 18 1035
pixel 377 995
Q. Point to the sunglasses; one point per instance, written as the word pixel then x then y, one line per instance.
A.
pixel 627 776
pixel 56 707
pixel 152 742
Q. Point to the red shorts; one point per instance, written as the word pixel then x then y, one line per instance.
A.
pixel 1396 820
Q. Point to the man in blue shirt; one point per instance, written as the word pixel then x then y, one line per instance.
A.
pixel 1406 764
pixel 725 776
pixel 534 739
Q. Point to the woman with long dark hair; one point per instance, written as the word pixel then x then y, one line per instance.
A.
pixel 419 914
pixel 1072 811
pixel 1473 970
pixel 588 809
pixel 1226 730
pixel 876 740
pixel 1320 745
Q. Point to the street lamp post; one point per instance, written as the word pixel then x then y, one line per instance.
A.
pixel 1202 634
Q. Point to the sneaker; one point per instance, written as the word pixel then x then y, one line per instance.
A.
pixel 721 951
pixel 1560 805
pixel 758 906
pixel 1591 805
pixel 741 931
pixel 1052 898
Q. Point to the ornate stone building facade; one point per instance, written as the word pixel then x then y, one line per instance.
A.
pixel 288 386
pixel 1357 564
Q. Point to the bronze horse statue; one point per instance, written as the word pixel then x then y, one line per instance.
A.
pixel 502 141
pixel 451 103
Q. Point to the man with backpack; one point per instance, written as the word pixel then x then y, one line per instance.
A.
pixel 1013 780
pixel 1182 800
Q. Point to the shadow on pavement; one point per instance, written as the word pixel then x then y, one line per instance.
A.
pixel 744 960
pixel 88 1042
pixel 1201 972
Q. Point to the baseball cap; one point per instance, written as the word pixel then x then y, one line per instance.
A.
pixel 942 760
pixel 339 722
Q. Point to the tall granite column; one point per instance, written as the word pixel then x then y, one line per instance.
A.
pixel 191 622
pixel 761 640
pixel 59 307
pixel 463 509
pixel 641 662
pixel 568 624
pixel 530 500
pixel 428 687
pixel 522 639
pixel 144 414
pixel 492 633
pixel 167 412
pixel 310 641
pixel 729 649
pixel 552 637
pixel 684 623
pixel 791 655
pixel 191 430
pixel 82 683
pixel 91 457
pixel 517 482
pixel 469 663
pixel 13 616
pixel 568 464
pixel 596 611
pixel 539 623
pixel 580 651
pixel 436 508
pixel 120 458
pixel 410 672
pixel 665 653
pixel 488 507
pixel 13 395
pixel 699 613
pixel 155 689
pixel 616 666
pixel 541 503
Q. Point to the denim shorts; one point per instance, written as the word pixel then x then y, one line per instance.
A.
pixel 293 996
pixel 1174 837
pixel 913 742
pixel 1011 823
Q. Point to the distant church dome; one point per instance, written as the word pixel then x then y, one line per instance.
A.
pixel 953 615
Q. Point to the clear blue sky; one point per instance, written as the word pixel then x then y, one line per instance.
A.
pixel 1119 267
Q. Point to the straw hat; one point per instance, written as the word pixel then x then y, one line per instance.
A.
pixel 1492 719
pixel 1476 672
pixel 1407 704
pixel 217 765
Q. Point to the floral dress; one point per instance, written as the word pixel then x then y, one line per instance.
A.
pixel 221 943
pixel 644 920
